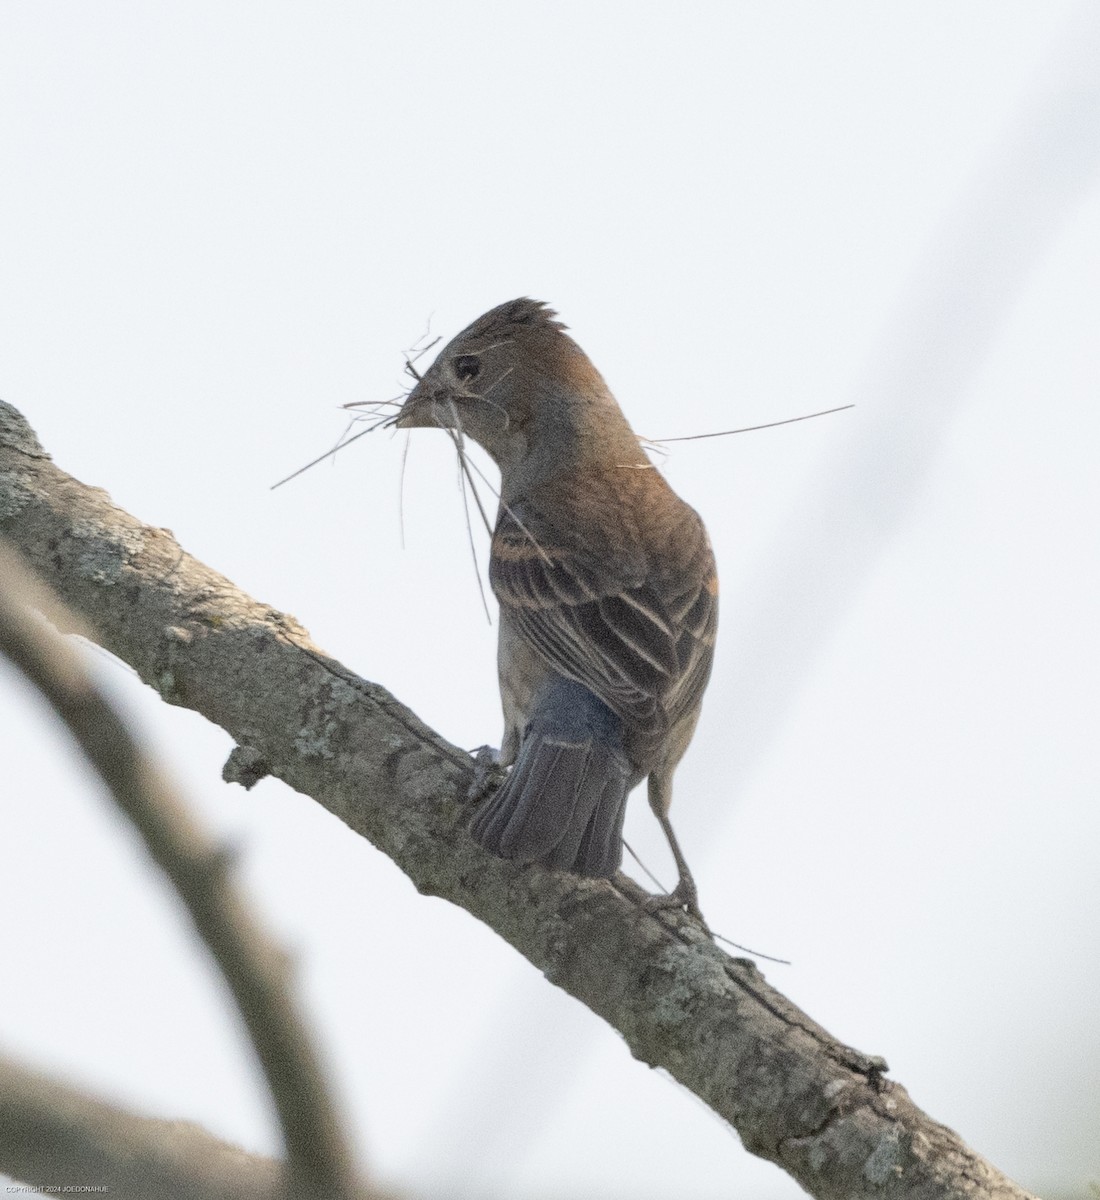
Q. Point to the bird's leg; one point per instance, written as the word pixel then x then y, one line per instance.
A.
pixel 684 895
pixel 490 771
pixel 491 765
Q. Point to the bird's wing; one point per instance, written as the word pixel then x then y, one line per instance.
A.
pixel 691 599
pixel 640 640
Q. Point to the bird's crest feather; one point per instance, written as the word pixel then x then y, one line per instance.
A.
pixel 523 312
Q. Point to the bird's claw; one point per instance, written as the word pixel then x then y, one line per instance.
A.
pixel 489 773
pixel 683 897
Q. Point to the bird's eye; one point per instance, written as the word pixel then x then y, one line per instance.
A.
pixel 466 366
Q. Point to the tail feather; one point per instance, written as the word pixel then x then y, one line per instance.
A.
pixel 601 850
pixel 563 803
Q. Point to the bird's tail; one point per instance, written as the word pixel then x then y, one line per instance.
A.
pixel 564 801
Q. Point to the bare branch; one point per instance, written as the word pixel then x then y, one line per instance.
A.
pixel 821 1110
pixel 254 969
pixel 54 1135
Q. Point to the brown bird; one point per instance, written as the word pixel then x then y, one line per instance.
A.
pixel 607 589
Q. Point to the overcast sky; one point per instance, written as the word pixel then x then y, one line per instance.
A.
pixel 220 222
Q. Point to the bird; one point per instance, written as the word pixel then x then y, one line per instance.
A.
pixel 607 589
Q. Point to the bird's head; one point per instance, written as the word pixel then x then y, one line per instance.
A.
pixel 517 384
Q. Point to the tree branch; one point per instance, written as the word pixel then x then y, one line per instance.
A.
pixel 55 1135
pixel 317 1154
pixel 819 1109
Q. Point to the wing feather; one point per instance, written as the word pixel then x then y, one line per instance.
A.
pixel 640 640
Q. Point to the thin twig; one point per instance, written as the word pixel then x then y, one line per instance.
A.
pixel 401 488
pixel 457 438
pixel 321 457
pixel 512 513
pixel 695 437
pixel 720 936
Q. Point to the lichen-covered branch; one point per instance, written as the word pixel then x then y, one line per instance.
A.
pixel 821 1110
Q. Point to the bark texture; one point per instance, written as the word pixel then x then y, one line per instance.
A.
pixel 821 1110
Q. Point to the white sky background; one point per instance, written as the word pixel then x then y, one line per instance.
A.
pixel 220 222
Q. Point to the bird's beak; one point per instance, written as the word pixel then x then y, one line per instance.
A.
pixel 418 411
pixel 426 407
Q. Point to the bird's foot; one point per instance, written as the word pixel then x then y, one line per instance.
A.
pixel 683 897
pixel 489 773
